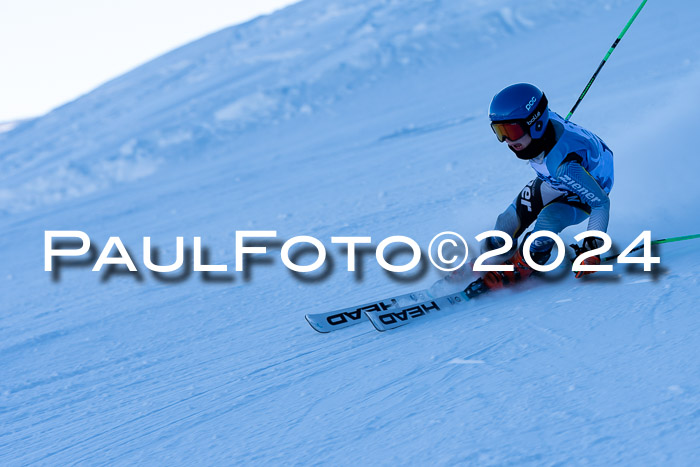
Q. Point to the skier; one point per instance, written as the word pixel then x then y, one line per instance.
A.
pixel 574 176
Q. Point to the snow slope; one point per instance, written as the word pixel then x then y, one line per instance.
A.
pixel 361 117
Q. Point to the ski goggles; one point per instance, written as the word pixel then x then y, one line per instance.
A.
pixel 510 130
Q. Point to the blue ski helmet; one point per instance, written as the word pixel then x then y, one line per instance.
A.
pixel 519 109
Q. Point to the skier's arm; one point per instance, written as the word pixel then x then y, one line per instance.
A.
pixel 579 181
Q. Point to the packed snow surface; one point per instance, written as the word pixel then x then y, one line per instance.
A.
pixel 352 118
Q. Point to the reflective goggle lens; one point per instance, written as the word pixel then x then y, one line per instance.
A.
pixel 512 131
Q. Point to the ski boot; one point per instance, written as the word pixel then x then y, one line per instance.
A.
pixel 521 270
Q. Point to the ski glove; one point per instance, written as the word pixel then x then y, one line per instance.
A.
pixel 590 243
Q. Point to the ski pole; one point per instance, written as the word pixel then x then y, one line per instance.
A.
pixel 656 242
pixel 617 41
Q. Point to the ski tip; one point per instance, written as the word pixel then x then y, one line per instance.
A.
pixel 313 325
pixel 369 317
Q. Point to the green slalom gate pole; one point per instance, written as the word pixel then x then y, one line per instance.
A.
pixel 595 75
pixel 657 242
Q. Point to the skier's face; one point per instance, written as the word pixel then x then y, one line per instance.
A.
pixel 520 143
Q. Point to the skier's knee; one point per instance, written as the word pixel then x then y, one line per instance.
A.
pixel 494 243
pixel 540 249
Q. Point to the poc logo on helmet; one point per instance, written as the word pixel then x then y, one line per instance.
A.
pixel 531 103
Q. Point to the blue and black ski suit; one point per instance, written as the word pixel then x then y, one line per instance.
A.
pixel 574 179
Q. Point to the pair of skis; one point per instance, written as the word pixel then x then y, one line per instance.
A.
pixel 403 309
pixel 393 312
